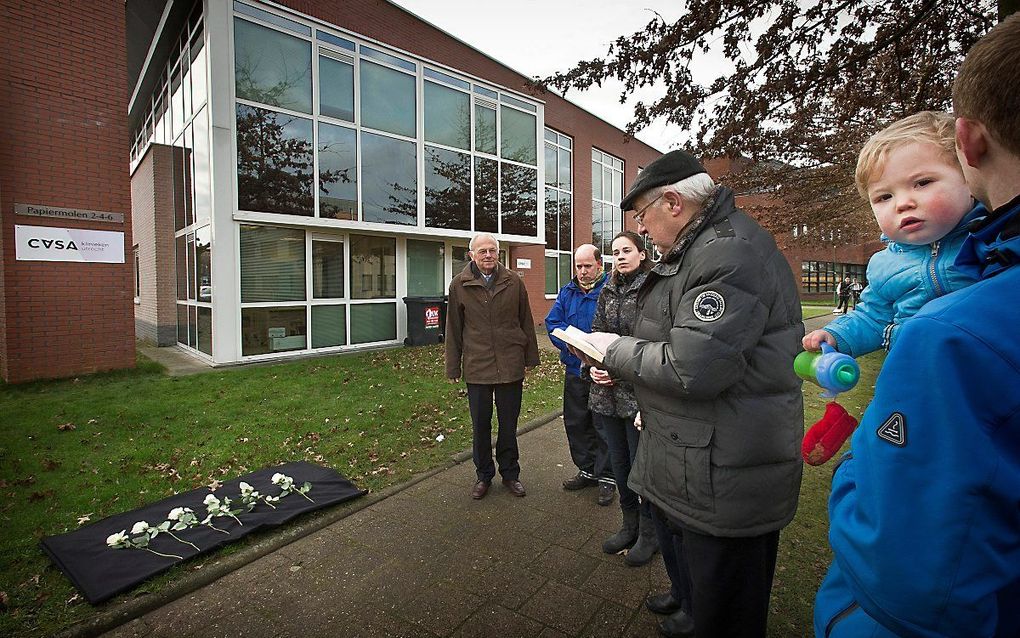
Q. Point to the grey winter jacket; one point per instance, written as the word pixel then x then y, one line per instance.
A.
pixel 615 312
pixel 711 360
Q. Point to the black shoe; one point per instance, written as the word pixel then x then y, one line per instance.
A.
pixel 662 603
pixel 578 482
pixel 606 493
pixel 677 625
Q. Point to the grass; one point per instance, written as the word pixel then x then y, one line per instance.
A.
pixel 79 450
pixel 76 451
pixel 815 309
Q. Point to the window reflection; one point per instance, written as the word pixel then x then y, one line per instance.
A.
pixel 389 180
pixel 336 88
pixel 518 199
pixel 203 270
pixel 485 129
pixel 517 139
pixel 447 189
pixel 447 116
pixel 274 162
pixel 272 67
pixel 327 269
pixel 373 267
pixel 338 172
pixel 272 264
pixel 387 99
pixel 486 195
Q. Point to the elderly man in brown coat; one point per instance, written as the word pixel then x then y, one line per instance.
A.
pixel 490 341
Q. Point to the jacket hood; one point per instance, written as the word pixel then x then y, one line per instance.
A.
pixel 994 244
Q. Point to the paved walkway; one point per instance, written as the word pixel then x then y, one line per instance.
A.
pixel 430 561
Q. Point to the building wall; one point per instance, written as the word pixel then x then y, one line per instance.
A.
pixel 152 219
pixel 63 101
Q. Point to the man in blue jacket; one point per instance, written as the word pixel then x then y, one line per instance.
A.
pixel 925 508
pixel 575 306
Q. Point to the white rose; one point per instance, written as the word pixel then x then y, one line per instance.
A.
pixel 116 539
pixel 210 499
pixel 140 527
pixel 175 513
pixel 245 487
pixel 277 478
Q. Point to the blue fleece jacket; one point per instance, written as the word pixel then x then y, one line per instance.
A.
pixel 573 307
pixel 925 508
pixel 901 279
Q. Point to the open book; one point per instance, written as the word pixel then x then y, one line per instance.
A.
pixel 578 339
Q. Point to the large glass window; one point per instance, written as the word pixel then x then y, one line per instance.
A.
pixel 447 189
pixel 336 88
pixel 274 162
pixel 203 264
pixel 338 172
pixel 373 267
pixel 329 326
pixel 389 180
pixel 181 252
pixel 425 262
pixel 485 129
pixel 271 67
pixel 327 270
pixel 205 330
pixel 387 99
pixel 373 322
pixel 272 264
pixel 607 191
pixel 486 195
pixel 518 201
pixel 517 136
pixel 559 209
pixel 447 116
pixel 269 330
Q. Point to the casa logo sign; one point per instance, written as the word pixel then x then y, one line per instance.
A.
pixel 45 243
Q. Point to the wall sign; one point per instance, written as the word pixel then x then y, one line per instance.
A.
pixel 69 213
pixel 46 243
pixel 523 264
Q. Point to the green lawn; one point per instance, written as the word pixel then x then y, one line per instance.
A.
pixel 815 309
pixel 83 449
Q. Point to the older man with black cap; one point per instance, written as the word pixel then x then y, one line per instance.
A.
pixel 711 361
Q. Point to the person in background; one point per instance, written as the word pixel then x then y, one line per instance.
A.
pixel 490 343
pixel 575 306
pixel 842 295
pixel 613 403
pixel 855 291
pixel 924 514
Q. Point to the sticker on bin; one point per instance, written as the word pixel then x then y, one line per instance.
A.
pixel 432 317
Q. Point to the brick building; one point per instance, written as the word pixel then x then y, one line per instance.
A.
pixel 267 180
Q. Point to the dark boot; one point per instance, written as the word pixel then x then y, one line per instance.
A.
pixel 647 544
pixel 624 538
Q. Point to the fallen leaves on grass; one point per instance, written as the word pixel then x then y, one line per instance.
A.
pixel 66 427
pixel 50 464
pixel 84 519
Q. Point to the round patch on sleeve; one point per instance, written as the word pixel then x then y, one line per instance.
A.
pixel 709 306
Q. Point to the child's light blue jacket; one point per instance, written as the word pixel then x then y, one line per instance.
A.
pixel 901 279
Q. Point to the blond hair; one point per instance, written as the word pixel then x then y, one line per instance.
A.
pixel 927 127
pixel 987 88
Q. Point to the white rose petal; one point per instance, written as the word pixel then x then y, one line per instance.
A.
pixel 211 499
pixel 245 487
pixel 139 527
pixel 277 478
pixel 175 513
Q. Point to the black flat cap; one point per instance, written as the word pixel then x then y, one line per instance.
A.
pixel 668 169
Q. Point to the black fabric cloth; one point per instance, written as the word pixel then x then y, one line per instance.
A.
pixel 101 572
pixel 725 582
pixel 507 397
pixel 588 449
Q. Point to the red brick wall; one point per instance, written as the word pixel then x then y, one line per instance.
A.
pixel 63 105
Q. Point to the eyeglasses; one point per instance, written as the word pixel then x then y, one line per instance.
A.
pixel 639 216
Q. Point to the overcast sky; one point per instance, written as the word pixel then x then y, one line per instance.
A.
pixel 540 37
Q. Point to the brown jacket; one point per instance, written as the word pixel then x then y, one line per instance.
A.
pixel 490 335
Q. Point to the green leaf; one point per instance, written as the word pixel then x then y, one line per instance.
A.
pixel 179 526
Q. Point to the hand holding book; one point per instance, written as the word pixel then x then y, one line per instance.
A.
pixel 588 346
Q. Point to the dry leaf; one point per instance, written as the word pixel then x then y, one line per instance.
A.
pixel 64 427
pixel 84 519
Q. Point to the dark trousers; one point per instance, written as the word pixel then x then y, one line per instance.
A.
pixel 587 448
pixel 725 583
pixel 507 397
pixel 621 440
pixel 843 303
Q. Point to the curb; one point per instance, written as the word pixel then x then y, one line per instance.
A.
pixel 133 608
